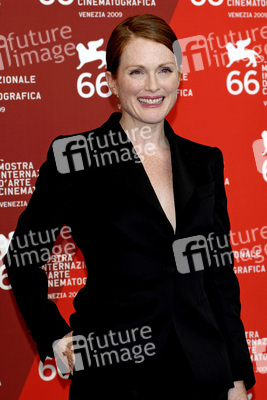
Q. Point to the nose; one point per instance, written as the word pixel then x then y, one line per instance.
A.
pixel 151 84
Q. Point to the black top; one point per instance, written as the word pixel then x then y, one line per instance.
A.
pixel 127 243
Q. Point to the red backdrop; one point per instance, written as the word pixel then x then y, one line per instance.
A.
pixel 222 102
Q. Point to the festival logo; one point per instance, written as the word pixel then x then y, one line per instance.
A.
pixel 239 52
pixel 87 55
pixel 91 53
pixel 247 84
pixel 260 154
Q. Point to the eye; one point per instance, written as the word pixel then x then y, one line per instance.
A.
pixel 136 72
pixel 166 70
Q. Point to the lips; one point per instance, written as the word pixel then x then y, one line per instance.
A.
pixel 150 101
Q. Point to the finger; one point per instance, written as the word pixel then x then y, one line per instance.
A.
pixel 70 358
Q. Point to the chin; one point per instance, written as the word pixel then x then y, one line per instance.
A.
pixel 154 117
pixel 153 120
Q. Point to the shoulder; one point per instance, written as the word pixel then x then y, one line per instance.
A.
pixel 201 161
pixel 200 155
pixel 80 137
pixel 199 151
pixel 78 152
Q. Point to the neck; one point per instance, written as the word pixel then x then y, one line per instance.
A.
pixel 141 134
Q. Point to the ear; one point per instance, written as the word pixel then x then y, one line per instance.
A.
pixel 179 79
pixel 112 83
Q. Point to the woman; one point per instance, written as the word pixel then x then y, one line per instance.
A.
pixel 133 193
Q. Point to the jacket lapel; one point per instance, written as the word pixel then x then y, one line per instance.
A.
pixel 132 174
pixel 184 170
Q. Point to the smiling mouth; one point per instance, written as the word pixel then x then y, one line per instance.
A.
pixel 143 100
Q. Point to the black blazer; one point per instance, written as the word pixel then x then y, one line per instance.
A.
pixel 126 239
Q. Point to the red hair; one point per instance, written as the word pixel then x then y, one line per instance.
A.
pixel 146 26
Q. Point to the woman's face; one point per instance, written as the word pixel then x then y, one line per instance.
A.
pixel 147 81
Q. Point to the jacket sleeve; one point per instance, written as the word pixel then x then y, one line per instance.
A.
pixel 30 248
pixel 224 287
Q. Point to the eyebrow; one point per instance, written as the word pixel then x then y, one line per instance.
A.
pixel 143 66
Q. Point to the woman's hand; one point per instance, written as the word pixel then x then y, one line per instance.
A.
pixel 238 392
pixel 65 353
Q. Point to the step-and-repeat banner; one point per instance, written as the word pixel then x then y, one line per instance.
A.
pixel 52 82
